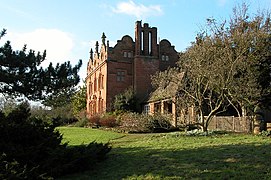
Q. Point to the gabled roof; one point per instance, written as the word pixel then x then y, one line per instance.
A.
pixel 166 92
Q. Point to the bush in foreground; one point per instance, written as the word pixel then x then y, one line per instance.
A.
pixel 32 149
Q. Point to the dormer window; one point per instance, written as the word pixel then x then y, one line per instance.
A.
pixel 127 54
pixel 165 58
pixel 130 54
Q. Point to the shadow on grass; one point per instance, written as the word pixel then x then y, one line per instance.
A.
pixel 251 161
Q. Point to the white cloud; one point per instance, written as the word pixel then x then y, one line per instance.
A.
pixel 138 10
pixel 58 44
pixel 222 2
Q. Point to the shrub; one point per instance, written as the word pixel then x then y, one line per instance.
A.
pixel 29 146
pixel 82 122
pixel 60 115
pixel 74 159
pixel 108 121
pixel 265 133
pixel 133 122
pixel 126 101
pixel 11 169
pixel 159 123
pixel 95 120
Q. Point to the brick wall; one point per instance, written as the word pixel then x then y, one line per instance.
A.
pixel 144 67
pixel 114 85
pixel 126 64
pixel 167 54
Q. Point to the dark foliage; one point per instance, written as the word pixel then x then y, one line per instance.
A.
pixel 60 99
pixel 32 149
pixel 126 101
pixel 159 123
pixel 21 73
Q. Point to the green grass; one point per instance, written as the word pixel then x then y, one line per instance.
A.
pixel 172 156
pixel 78 136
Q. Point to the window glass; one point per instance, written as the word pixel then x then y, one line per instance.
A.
pixel 163 57
pixel 147 109
pixel 120 75
pixel 130 54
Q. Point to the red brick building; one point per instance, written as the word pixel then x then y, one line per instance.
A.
pixel 112 70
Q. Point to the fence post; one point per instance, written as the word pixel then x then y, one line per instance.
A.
pixel 233 124
pixel 214 119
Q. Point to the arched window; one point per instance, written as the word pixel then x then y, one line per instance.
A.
pixel 95 84
pixel 90 89
pixel 94 105
pixel 99 82
pixel 102 104
pixel 102 81
pixel 90 108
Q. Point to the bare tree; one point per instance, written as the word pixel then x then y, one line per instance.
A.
pixel 227 65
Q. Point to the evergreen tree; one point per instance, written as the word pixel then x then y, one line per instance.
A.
pixel 79 100
pixel 21 73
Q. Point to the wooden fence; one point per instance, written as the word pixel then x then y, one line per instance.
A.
pixel 231 123
pixel 223 123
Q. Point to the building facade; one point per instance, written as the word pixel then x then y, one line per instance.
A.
pixel 130 63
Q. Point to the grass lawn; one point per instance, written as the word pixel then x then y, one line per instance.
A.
pixel 173 156
pixel 78 136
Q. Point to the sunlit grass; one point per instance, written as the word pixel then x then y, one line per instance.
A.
pixel 174 156
pixel 78 136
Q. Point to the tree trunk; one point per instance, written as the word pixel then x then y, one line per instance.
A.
pixel 244 112
pixel 202 122
pixel 205 128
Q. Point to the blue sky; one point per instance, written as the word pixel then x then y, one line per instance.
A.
pixel 68 29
